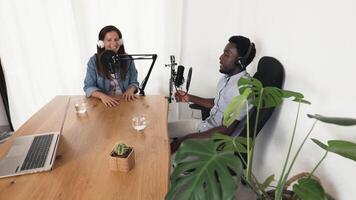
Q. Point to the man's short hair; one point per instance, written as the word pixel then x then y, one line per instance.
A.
pixel 242 45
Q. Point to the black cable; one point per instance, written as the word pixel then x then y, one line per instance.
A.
pixel 217 102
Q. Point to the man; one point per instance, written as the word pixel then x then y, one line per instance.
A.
pixel 237 55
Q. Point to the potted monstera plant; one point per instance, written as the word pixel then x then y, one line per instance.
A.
pixel 213 168
pixel 122 158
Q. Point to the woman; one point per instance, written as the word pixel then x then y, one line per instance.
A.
pixel 102 84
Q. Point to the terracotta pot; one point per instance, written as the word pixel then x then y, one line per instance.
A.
pixel 122 164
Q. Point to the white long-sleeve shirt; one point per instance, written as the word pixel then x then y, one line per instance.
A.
pixel 227 89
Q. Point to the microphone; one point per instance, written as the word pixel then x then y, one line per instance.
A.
pixel 189 78
pixel 179 78
pixel 107 58
pixel 173 60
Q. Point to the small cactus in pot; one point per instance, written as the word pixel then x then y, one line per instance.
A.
pixel 122 158
pixel 121 150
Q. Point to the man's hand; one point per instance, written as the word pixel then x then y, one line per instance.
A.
pixel 109 101
pixel 129 95
pixel 176 144
pixel 182 96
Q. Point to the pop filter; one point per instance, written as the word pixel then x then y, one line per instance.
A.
pixel 189 78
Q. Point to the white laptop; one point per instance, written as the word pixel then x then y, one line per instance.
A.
pixel 30 154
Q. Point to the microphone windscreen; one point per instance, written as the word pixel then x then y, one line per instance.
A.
pixel 179 79
pixel 173 60
pixel 107 58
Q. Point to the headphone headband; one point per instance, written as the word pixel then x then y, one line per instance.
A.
pixel 242 60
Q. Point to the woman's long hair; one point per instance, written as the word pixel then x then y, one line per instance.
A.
pixel 102 70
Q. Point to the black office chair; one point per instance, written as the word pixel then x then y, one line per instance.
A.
pixel 205 112
pixel 271 73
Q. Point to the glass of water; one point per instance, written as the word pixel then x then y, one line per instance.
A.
pixel 80 107
pixel 139 122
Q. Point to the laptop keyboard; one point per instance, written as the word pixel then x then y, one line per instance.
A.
pixel 37 154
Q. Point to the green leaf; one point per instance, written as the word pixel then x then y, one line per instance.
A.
pixel 305 101
pixel 242 140
pixel 228 143
pixel 202 172
pixel 343 148
pixel 309 189
pixel 334 120
pixel 269 96
pixel 235 147
pixel 322 145
pixel 243 83
pixel 298 97
pixel 233 110
pixel 267 182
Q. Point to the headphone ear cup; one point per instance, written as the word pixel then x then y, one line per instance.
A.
pixel 100 44
pixel 121 42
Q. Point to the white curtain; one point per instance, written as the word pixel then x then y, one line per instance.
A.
pixel 45 45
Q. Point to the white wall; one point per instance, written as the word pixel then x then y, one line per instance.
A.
pixel 45 46
pixel 313 39
pixel 315 42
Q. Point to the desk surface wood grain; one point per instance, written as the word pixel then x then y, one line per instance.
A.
pixel 81 169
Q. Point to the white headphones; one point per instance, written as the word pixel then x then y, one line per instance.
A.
pixel 100 43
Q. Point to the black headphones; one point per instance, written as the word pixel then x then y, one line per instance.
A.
pixel 242 60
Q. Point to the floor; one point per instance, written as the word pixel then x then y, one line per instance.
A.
pixel 245 193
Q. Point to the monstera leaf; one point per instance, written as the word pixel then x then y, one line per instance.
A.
pixel 298 97
pixel 343 148
pixel 201 172
pixel 227 143
pixel 334 120
pixel 233 110
pixel 269 96
pixel 254 84
pixel 252 90
pixel 309 189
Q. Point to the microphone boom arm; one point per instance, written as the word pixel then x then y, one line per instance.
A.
pixel 152 57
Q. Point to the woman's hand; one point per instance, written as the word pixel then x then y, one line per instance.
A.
pixel 129 95
pixel 109 101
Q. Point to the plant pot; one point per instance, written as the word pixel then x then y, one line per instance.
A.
pixel 286 195
pixel 122 164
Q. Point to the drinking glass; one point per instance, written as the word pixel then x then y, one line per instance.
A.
pixel 139 122
pixel 80 107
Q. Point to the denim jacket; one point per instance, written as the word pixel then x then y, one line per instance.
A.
pixel 94 82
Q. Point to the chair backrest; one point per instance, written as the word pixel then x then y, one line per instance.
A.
pixel 271 73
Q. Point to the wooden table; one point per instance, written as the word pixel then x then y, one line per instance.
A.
pixel 81 170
